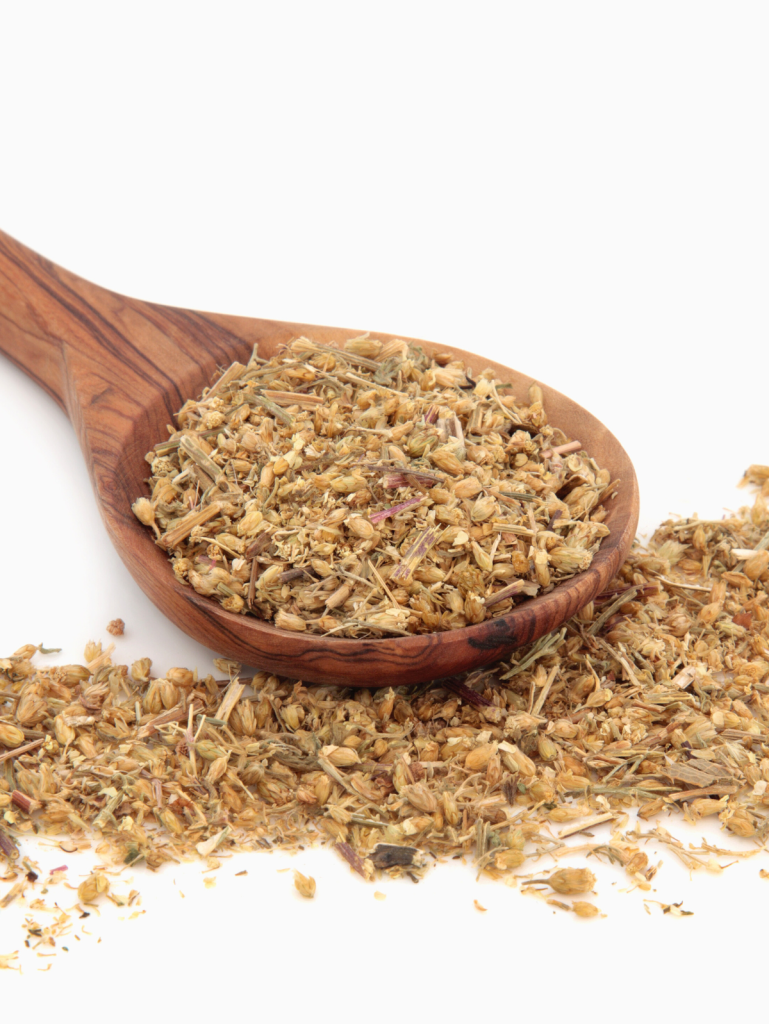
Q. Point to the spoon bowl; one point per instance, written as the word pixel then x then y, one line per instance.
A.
pixel 121 368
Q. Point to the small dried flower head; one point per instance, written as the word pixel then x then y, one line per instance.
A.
pixel 92 650
pixel 360 527
pixel 507 859
pixel 140 670
pixel 97 884
pixel 31 709
pixel 145 513
pixel 445 459
pixel 10 736
pixel 287 620
pixel 548 750
pixel 570 881
pixel 468 487
pixel 420 796
pixel 293 716
pixel 567 559
pixel 322 789
pixel 364 346
pixel 757 565
pixel 63 732
pixel 181 677
pixel 741 824
pixel 479 758
pixel 217 769
pixel 450 809
pixel 305 885
pixel 340 757
pixel 583 909
pixel 639 861
pixel 483 509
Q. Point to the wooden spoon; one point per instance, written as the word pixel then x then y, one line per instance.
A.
pixel 120 368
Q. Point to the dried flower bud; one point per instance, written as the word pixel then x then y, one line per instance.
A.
pixel 171 822
pixel 322 789
pixel 293 715
pixel 64 733
pixel 10 736
pixel 483 508
pixel 338 597
pixel 209 750
pixel 250 524
pixel 145 513
pixel 140 670
pixel 541 568
pixel 474 609
pixel 181 677
pixel 450 809
pixel 703 807
pixel 286 620
pixel 583 909
pixel 340 757
pixel 31 709
pixel 542 789
pixel 516 761
pixel 638 861
pixel 757 565
pixel 370 348
pixel 92 651
pixel 360 527
pixel 507 859
pixel 565 730
pixel 710 612
pixel 97 884
pixel 419 796
pixel 151 701
pixel 741 823
pixel 305 885
pixel 548 750
pixel 567 559
pixel 479 757
pixel 469 487
pixel 570 881
pixel 445 459
pixel 482 558
pixel 349 484
pixel 217 769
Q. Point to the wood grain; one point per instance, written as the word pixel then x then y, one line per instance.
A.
pixel 120 368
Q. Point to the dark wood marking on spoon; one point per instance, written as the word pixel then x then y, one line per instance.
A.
pixel 121 368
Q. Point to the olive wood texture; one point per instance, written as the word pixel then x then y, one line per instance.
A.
pixel 120 368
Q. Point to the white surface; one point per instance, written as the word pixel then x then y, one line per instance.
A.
pixel 577 190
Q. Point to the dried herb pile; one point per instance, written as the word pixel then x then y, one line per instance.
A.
pixel 371 490
pixel 655 698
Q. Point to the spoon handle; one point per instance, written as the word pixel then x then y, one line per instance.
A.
pixel 41 314
pixel 92 349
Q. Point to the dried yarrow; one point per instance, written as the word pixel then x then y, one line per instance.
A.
pixel 371 490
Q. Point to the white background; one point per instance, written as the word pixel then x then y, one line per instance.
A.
pixel 578 190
